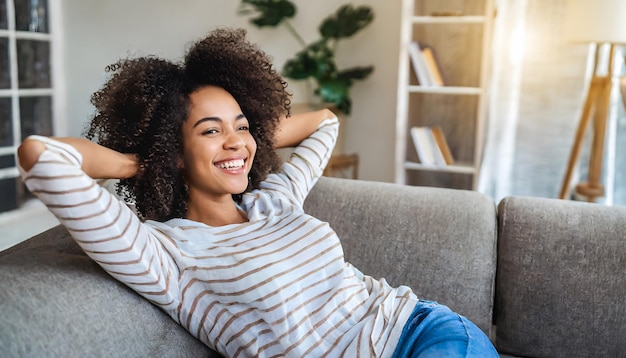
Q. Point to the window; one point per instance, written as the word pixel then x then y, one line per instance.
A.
pixel 26 85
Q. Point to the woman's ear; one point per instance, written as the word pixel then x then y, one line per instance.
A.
pixel 180 163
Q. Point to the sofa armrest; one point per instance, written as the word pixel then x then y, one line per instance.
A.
pixel 56 302
pixel 440 242
pixel 561 279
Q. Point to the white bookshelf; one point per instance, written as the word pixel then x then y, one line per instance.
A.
pixel 461 44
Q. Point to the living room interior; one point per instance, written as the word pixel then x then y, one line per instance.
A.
pixel 535 82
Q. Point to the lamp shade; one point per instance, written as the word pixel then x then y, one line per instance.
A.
pixel 596 21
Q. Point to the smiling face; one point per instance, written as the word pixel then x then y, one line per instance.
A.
pixel 218 147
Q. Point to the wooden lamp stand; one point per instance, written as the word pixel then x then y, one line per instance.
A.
pixel 597 102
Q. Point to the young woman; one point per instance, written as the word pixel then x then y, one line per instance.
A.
pixel 219 239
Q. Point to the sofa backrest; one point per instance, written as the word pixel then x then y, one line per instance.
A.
pixel 561 280
pixel 440 242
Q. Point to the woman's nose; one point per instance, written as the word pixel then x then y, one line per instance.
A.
pixel 233 140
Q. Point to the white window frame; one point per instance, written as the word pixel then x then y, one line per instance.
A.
pixel 56 91
pixel 11 220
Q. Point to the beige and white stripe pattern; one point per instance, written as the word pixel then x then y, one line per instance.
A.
pixel 275 286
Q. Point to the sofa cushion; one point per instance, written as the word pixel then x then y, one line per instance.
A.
pixel 561 280
pixel 56 302
pixel 440 242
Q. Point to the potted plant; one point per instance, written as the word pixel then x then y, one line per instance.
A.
pixel 315 62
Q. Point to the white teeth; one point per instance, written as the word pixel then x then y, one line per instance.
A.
pixel 233 164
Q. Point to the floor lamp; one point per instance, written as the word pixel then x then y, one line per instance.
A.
pixel 597 22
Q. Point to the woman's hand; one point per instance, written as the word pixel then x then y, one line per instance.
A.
pixel 295 129
pixel 98 162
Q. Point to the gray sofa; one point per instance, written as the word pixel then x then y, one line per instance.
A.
pixel 543 277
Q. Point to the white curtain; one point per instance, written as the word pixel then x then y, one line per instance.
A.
pixel 536 95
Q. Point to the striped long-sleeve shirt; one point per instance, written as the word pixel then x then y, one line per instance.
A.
pixel 277 285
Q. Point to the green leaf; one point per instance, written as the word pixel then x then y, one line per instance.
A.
pixel 300 67
pixel 356 73
pixel 316 60
pixel 345 105
pixel 336 91
pixel 347 21
pixel 268 12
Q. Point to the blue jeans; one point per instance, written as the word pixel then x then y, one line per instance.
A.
pixel 433 330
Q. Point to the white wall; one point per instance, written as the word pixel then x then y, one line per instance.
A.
pixel 97 33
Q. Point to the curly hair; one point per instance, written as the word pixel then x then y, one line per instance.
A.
pixel 144 103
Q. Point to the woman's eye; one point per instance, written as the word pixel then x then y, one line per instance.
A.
pixel 244 128
pixel 210 131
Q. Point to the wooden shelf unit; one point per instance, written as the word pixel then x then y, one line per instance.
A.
pixel 461 44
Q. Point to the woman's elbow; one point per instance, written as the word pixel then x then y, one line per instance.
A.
pixel 329 114
pixel 28 153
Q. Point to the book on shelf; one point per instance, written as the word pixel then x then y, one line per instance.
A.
pixel 432 67
pixel 440 138
pixel 419 64
pixel 428 151
pixel 425 66
pixel 422 147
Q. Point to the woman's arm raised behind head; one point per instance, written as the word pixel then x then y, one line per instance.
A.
pixel 293 130
pixel 98 162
